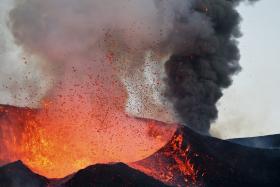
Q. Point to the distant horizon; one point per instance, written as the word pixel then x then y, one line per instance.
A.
pixel 250 107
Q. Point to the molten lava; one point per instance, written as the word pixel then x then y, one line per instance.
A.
pixel 81 122
pixel 56 148
pixel 173 164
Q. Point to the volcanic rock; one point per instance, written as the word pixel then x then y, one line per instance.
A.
pixel 269 142
pixel 18 175
pixel 117 175
pixel 215 162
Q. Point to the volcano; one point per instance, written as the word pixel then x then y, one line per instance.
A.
pixel 188 159
pixel 123 94
pixel 216 162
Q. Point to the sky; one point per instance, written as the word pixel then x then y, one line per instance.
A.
pixel 250 107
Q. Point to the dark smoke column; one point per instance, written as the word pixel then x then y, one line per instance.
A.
pixel 205 64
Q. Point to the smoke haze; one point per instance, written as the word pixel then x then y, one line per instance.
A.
pixel 73 41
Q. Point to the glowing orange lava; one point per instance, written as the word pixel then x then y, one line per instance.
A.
pixel 173 164
pixel 80 124
pixel 58 148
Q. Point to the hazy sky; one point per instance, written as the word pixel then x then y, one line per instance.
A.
pixel 251 106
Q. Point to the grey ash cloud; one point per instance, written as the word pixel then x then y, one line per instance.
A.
pixel 200 36
pixel 206 61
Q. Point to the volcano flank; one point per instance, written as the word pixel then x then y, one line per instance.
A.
pixel 188 159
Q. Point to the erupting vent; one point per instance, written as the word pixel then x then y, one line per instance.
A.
pixel 56 148
pixel 103 73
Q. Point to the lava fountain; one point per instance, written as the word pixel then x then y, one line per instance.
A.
pixel 55 142
pixel 108 63
pixel 105 70
pixel 81 124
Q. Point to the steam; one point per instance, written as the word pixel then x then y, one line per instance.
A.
pixel 164 54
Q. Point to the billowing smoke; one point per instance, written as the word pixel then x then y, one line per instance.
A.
pixel 209 57
pixel 123 45
pixel 102 40
pixel 21 82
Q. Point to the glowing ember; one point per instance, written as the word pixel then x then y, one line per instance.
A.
pixel 182 159
pixel 82 121
pixel 173 164
pixel 55 148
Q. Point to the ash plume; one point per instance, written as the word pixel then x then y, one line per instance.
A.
pixel 197 37
pixel 83 36
pixel 197 74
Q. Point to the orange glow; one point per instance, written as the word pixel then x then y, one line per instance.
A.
pixel 181 157
pixel 80 123
pixel 172 165
pixel 57 148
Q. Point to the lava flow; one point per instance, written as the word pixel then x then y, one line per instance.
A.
pixel 174 164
